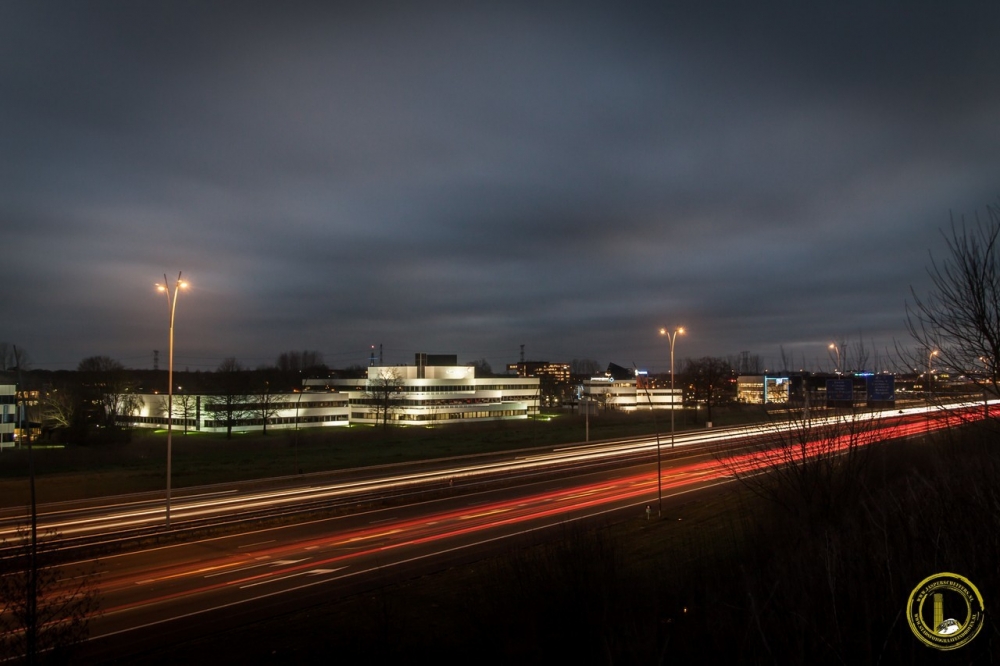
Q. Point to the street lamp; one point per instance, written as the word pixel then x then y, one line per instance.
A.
pixel 835 348
pixel 171 307
pixel 930 371
pixel 659 486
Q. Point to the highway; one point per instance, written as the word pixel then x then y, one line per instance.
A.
pixel 156 591
pixel 200 585
pixel 232 503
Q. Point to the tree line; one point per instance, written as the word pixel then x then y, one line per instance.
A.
pixel 87 406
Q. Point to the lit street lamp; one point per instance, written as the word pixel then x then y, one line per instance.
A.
pixel 835 348
pixel 659 486
pixel 171 307
pixel 930 372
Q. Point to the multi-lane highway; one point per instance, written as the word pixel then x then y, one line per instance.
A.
pixel 439 511
pixel 197 506
pixel 213 505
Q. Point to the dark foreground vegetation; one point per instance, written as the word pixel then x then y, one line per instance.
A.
pixel 721 578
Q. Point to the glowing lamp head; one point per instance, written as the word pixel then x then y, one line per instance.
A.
pixel 160 287
pixel 182 284
pixel 681 330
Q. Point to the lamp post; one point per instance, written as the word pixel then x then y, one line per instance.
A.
pixel 659 485
pixel 171 307
pixel 835 348
pixel 930 375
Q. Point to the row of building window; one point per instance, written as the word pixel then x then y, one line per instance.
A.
pixel 297 405
pixel 449 389
pixel 432 403
pixel 445 416
pixel 239 423
pixel 159 420
pixel 271 407
pixel 221 423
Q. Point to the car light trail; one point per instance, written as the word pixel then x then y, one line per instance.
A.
pixel 225 504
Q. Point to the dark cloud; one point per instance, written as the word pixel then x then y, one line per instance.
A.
pixel 465 179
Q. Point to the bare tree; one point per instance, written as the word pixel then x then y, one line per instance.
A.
pixel 606 398
pixel 108 387
pixel 584 366
pixel 298 361
pixel 862 355
pixel 710 380
pixel 805 466
pixel 482 368
pixel 960 317
pixel 840 355
pixel 230 402
pixel 12 357
pixel 60 406
pixel 43 609
pixel 264 401
pixel 185 408
pixel 747 364
pixel 382 394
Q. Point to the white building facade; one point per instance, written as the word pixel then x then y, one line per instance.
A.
pixel 434 395
pixel 207 413
pixel 418 395
pixel 628 395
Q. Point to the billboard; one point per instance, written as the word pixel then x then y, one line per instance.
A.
pixel 840 390
pixel 881 388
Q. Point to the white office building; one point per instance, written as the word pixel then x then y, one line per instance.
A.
pixel 434 393
pixel 209 413
pixel 629 395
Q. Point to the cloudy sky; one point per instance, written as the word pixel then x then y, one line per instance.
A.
pixel 469 177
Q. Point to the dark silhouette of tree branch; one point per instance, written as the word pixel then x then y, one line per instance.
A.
pixel 960 317
pixel 45 611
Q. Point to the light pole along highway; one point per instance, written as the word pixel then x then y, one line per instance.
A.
pixel 659 484
pixel 929 389
pixel 171 307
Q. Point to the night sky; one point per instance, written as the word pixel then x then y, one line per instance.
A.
pixel 466 178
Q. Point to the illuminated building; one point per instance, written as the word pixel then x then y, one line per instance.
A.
pixel 204 413
pixel 761 389
pixel 553 378
pixel 434 391
pixel 431 394
pixel 558 373
pixel 629 395
pixel 11 430
pixel 8 414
